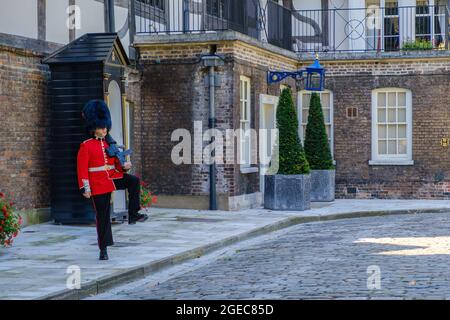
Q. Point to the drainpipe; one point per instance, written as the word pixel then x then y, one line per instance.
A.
pixel 212 61
pixel 110 25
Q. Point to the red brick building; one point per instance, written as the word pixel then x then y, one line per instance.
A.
pixel 385 104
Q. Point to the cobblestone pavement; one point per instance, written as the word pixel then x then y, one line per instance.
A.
pixel 323 260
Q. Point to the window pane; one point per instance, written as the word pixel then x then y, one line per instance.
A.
pixel 382 147
pixel 392 99
pixel 306 99
pixel 381 99
pixel 402 131
pixel 325 100
pixel 401 115
pixel 326 115
pixel 392 115
pixel 401 99
pixel 392 147
pixel 328 130
pixel 382 131
pixel 392 132
pixel 402 146
pixel 305 116
pixel 245 90
pixel 381 115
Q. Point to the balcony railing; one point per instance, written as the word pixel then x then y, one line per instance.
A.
pixel 203 16
pixel 373 29
pixel 185 16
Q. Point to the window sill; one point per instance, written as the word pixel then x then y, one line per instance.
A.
pixel 246 170
pixel 391 162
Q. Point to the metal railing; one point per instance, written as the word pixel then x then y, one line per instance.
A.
pixel 393 28
pixel 203 16
pixel 376 29
pixel 187 16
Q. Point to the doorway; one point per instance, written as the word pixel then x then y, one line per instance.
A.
pixel 119 205
pixel 268 111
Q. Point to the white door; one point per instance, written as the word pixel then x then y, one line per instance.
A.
pixel 268 112
pixel 115 105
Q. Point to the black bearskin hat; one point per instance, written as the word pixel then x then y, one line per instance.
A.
pixel 97 115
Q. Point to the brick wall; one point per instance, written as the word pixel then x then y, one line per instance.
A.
pixel 24 133
pixel 24 167
pixel 352 83
pixel 175 94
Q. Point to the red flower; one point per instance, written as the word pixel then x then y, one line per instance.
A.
pixel 154 200
pixel 2 194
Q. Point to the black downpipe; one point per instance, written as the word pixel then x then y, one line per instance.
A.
pixel 109 14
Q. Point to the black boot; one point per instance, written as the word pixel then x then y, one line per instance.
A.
pixel 140 217
pixel 103 254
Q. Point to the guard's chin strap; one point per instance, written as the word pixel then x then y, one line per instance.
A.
pixel 110 139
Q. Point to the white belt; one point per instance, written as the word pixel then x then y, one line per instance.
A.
pixel 102 168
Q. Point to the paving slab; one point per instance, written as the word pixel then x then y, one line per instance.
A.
pixel 37 265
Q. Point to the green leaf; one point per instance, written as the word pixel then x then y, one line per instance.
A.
pixel 291 156
pixel 317 147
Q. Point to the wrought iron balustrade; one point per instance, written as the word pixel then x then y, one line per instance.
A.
pixel 390 28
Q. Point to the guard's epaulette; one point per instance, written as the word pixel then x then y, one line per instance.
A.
pixel 86 140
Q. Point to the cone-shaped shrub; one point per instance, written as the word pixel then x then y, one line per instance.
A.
pixel 317 148
pixel 292 158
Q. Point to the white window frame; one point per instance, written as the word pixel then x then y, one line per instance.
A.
pixel 390 159
pixel 245 163
pixel 300 116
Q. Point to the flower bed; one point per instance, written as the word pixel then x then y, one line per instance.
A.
pixel 147 198
pixel 9 222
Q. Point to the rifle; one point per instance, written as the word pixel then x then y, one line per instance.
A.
pixel 114 150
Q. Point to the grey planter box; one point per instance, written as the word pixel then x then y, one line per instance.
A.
pixel 322 185
pixel 287 192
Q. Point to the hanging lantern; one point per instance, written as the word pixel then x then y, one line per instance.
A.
pixel 315 77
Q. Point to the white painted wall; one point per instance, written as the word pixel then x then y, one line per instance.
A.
pixel 57 17
pixel 92 17
pixel 121 15
pixel 338 17
pixel 19 17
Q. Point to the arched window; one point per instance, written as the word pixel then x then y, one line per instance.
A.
pixel 391 126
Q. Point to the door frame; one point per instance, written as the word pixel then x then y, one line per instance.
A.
pixel 265 99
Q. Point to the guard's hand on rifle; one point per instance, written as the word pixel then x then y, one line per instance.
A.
pixel 127 165
pixel 87 195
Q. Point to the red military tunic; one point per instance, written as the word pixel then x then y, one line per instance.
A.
pixel 96 170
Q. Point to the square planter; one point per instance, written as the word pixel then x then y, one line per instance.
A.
pixel 322 185
pixel 287 192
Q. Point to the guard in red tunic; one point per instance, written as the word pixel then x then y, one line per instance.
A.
pixel 99 174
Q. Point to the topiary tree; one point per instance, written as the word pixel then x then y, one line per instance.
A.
pixel 317 147
pixel 291 156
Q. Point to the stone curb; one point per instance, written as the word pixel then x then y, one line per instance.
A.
pixel 108 282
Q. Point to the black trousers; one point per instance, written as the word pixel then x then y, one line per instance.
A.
pixel 133 185
pixel 102 206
